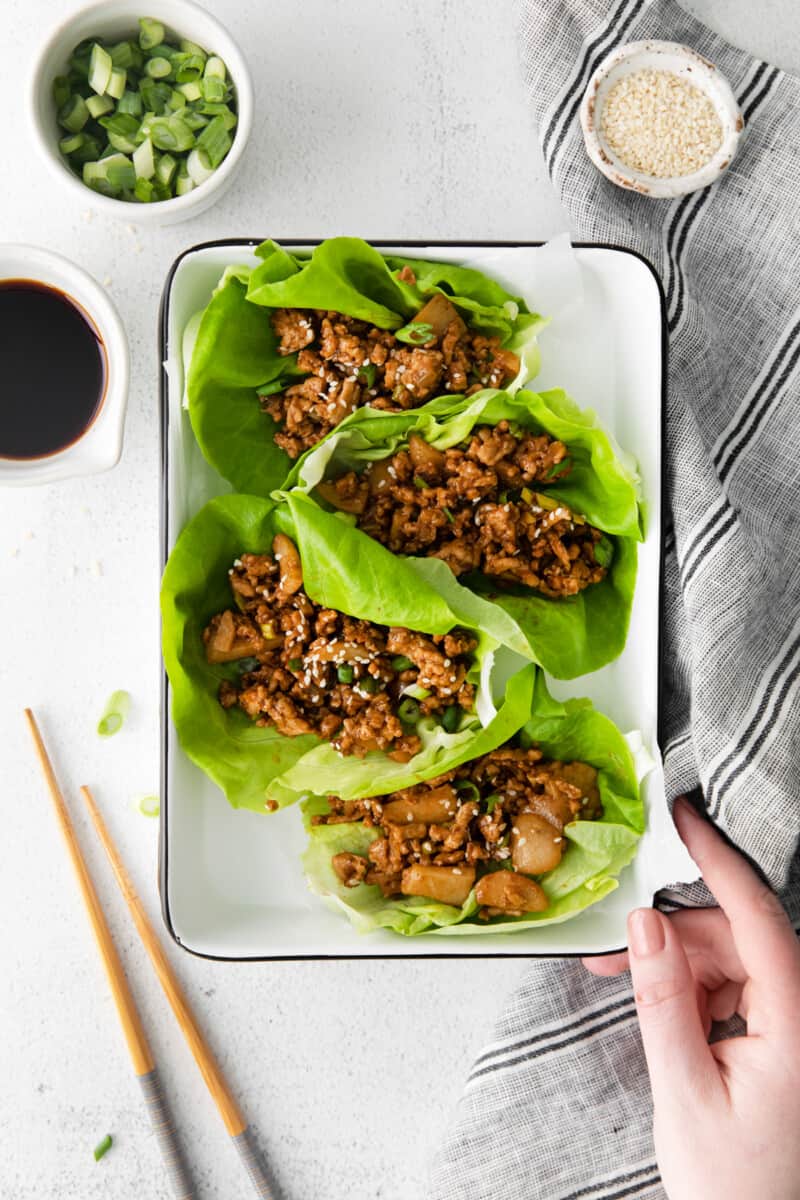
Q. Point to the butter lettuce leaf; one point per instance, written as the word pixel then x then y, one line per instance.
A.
pixel 235 352
pixel 569 636
pixel 341 569
pixel 597 852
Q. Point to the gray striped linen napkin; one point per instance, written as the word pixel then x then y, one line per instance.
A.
pixel 558 1106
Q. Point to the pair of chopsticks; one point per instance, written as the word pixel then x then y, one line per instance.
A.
pixel 138 1046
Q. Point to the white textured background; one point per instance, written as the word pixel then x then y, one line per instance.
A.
pixel 393 118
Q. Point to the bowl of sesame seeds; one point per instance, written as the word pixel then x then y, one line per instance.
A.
pixel 659 119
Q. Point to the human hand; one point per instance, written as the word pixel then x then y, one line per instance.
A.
pixel 727 1115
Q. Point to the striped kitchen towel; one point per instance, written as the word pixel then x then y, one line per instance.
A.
pixel 558 1105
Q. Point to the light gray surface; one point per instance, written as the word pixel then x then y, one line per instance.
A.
pixel 401 119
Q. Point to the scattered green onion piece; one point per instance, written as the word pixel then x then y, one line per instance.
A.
pixel 193 48
pixel 121 129
pixel 416 692
pixel 415 334
pixel 214 89
pixel 184 184
pixel 344 674
pixel 194 120
pixel 220 110
pixel 215 68
pixel 368 685
pixel 189 91
pixel 100 69
pixel 114 714
pixel 116 85
pixel 158 68
pixel 191 70
pixel 144 191
pixel 61 90
pixel 171 133
pixel 88 152
pixel 216 141
pixel 467 789
pixel 401 663
pixel 177 102
pixel 71 143
pixel 449 515
pixel 149 806
pixel 155 96
pixel 271 389
pixel 144 161
pixel 295 664
pixel 74 114
pixel 452 718
pixel 366 375
pixel 198 166
pixel 420 484
pixel 122 55
pixel 151 33
pixel 408 711
pixel 131 103
pixel 98 106
pixel 166 166
pixel 492 800
pixel 102 1147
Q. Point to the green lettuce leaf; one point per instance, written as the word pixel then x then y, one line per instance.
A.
pixel 598 850
pixel 343 570
pixel 235 352
pixel 570 636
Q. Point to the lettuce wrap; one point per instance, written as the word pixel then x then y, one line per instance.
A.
pixel 341 570
pixel 568 636
pixel 598 850
pixel 235 351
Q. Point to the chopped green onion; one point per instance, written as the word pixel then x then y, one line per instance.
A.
pixel 492 800
pixel 220 110
pixel 144 160
pixel 166 167
pixel 215 68
pixel 158 68
pixel 122 55
pixel 131 103
pixel 88 152
pixel 110 174
pixel 295 664
pixel 102 1147
pixel 216 141
pixel 408 711
pixel 214 89
pixel 402 663
pixel 452 718
pixel 100 69
pixel 366 375
pixel 344 674
pixel 155 96
pixel 151 33
pixel 68 145
pixel 467 789
pixel 121 129
pixel 184 184
pixel 198 166
pixel 194 120
pixel 98 106
pixel 61 90
pixel 74 114
pixel 191 70
pixel 144 191
pixel 192 48
pixel 449 515
pixel 416 692
pixel 114 714
pixel 116 85
pixel 271 389
pixel 177 102
pixel 604 551
pixel 149 806
pixel 171 133
pixel 190 91
pixel 416 333
pixel 368 685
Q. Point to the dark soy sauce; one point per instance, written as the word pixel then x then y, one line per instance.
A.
pixel 52 370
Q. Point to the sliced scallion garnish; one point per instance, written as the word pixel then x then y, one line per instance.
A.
pixel 114 714
pixel 149 806
pixel 102 1147
pixel 452 718
pixel 416 333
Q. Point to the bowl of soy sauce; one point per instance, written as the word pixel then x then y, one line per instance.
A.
pixel 64 370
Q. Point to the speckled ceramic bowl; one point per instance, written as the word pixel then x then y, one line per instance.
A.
pixel 686 64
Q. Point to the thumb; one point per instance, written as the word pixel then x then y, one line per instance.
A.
pixel 679 1061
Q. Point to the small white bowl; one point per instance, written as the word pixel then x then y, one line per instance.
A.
pixel 98 448
pixel 117 19
pixel 678 60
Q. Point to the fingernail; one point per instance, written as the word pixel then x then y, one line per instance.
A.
pixel 645 932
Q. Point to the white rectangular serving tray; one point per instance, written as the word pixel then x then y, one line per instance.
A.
pixel 231 882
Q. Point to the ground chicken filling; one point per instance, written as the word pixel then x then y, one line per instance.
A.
pixel 498 820
pixel 348 363
pixel 310 669
pixel 473 507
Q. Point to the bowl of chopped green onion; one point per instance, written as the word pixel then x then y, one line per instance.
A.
pixel 147 117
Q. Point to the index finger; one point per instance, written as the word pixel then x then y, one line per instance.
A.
pixel 762 932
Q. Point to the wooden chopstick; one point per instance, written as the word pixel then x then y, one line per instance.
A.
pixel 216 1083
pixel 138 1046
